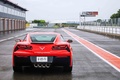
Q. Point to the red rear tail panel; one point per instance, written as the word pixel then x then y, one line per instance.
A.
pixel 42 47
pixel 42 50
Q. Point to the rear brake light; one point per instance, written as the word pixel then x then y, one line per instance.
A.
pixel 61 47
pixel 23 47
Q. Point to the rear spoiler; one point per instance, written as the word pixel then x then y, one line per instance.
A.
pixel 42 42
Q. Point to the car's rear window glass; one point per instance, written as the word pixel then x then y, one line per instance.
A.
pixel 43 37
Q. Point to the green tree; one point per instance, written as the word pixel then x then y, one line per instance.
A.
pixel 116 15
pixel 39 21
pixel 35 21
pixel 42 21
pixel 99 20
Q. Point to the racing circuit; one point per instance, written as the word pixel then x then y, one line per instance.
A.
pixel 95 57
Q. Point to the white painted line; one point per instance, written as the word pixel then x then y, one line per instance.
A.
pixel 12 37
pixel 3 40
pixel 16 36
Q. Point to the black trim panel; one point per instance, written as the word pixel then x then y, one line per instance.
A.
pixel 29 61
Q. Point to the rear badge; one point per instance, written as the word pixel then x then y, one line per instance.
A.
pixel 42 48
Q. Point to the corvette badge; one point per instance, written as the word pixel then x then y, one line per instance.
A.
pixel 42 48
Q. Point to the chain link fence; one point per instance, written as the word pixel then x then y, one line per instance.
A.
pixel 109 27
pixel 99 22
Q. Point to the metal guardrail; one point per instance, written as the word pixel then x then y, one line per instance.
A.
pixel 111 31
pixel 104 29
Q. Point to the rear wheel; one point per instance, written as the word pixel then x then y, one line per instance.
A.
pixel 17 68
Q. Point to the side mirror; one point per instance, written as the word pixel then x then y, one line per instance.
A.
pixel 18 40
pixel 69 41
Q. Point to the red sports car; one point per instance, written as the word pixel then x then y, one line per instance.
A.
pixel 42 50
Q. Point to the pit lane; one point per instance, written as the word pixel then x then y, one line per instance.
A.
pixel 86 65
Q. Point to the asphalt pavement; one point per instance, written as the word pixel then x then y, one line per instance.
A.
pixel 86 65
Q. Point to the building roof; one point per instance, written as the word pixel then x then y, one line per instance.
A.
pixel 13 4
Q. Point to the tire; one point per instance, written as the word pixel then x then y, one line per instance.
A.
pixel 67 69
pixel 17 68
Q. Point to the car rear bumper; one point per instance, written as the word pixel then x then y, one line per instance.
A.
pixel 53 61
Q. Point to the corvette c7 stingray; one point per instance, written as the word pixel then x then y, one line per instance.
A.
pixel 42 50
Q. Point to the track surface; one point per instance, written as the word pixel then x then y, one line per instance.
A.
pixel 86 65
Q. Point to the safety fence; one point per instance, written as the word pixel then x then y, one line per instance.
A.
pixel 99 22
pixel 104 29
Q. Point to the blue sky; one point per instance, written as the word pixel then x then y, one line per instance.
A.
pixel 51 10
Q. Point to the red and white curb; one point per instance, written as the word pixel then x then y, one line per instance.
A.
pixel 106 56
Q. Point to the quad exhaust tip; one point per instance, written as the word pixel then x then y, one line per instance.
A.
pixel 42 65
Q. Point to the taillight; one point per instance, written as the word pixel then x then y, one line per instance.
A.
pixel 61 47
pixel 23 47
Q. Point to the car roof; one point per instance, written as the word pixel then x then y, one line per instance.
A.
pixel 44 33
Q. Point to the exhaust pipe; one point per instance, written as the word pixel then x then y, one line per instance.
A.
pixel 35 65
pixel 47 65
pixel 42 65
pixel 39 65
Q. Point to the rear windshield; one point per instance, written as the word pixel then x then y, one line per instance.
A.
pixel 43 37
